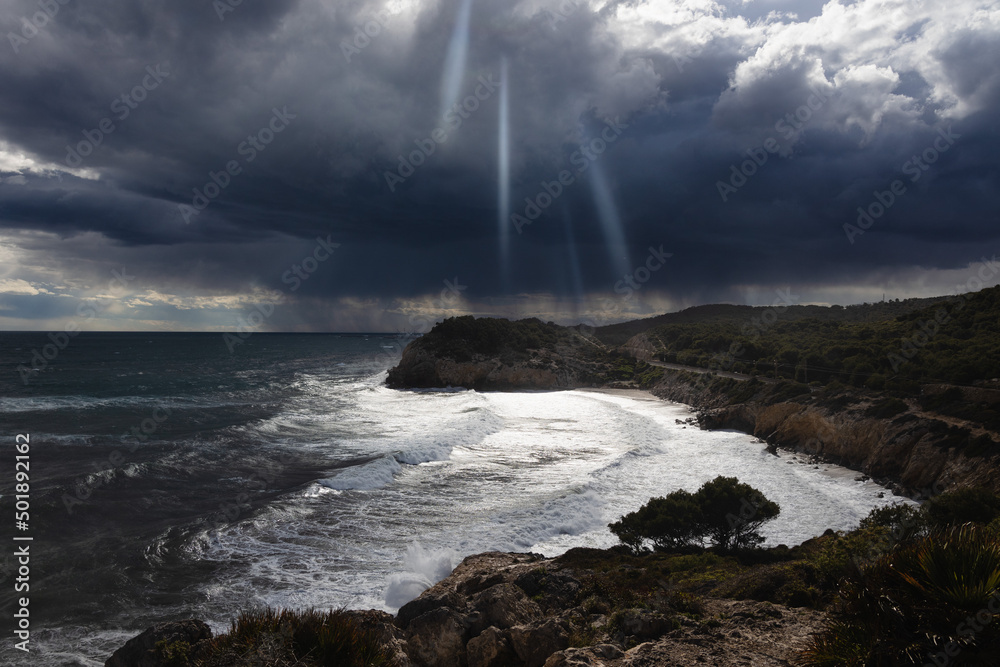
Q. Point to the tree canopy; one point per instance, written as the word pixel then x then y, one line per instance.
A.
pixel 724 512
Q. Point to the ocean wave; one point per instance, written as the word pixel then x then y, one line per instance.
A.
pixel 422 568
pixel 76 402
pixel 574 513
pixel 372 475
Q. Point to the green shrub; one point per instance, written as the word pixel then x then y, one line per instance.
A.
pixel 969 505
pixel 174 654
pixel 723 511
pixel 647 376
pixel 669 522
pixel 899 521
pixel 786 391
pixel 792 584
pixel 911 603
pixel 887 407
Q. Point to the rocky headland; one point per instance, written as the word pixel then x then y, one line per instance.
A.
pixel 491 354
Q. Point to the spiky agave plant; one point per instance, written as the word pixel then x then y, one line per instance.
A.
pixel 916 601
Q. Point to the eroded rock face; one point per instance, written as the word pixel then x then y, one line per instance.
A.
pixel 437 639
pixel 535 642
pixel 143 650
pixel 490 649
pixel 432 598
pixel 382 624
pixel 645 624
pixel 477 610
pixel 914 451
pixel 505 605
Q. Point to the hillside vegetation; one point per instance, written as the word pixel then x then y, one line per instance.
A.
pixel 618 334
pixel 893 346
pixel 462 338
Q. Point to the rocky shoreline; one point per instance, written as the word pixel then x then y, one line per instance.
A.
pixel 507 609
pixel 915 453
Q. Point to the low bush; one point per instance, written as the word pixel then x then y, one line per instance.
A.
pixel 282 637
pixel 969 505
pixel 887 407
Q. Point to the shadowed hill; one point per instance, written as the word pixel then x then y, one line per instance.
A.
pixel 879 346
pixel 618 334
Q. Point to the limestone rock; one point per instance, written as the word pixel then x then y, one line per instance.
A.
pixel 505 605
pixel 645 624
pixel 429 600
pixel 437 639
pixel 142 650
pixel 490 649
pixel 535 642
pixel 386 631
pixel 555 589
pixel 593 656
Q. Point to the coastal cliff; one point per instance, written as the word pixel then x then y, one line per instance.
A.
pixel 494 354
pixel 893 440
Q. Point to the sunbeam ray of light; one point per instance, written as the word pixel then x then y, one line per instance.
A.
pixel 503 178
pixel 574 261
pixel 454 64
pixel 611 223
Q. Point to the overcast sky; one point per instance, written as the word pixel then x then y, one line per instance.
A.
pixel 168 165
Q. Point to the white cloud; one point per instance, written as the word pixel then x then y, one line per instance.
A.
pixel 13 159
pixel 17 286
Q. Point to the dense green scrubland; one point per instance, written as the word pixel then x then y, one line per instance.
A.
pixel 892 345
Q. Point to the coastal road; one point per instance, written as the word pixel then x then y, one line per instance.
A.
pixel 695 369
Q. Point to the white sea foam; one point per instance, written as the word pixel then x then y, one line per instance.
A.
pixel 454 474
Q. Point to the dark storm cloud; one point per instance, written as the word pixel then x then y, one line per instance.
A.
pixel 697 85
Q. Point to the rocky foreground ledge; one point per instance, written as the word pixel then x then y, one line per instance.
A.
pixel 504 609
